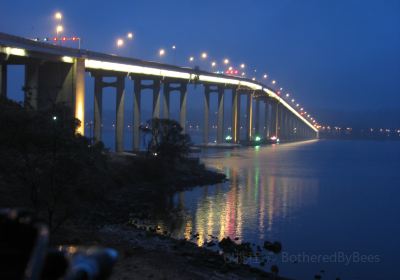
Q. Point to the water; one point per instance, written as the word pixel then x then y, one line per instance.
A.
pixel 325 201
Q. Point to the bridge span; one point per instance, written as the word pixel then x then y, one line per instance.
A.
pixel 57 74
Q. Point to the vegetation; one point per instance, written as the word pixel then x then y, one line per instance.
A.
pixel 41 155
pixel 45 166
pixel 167 140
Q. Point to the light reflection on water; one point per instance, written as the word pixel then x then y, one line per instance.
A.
pixel 256 195
pixel 316 197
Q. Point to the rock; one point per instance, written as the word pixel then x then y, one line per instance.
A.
pixel 275 247
pixel 275 269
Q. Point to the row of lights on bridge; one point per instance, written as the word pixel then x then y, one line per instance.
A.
pixel 230 70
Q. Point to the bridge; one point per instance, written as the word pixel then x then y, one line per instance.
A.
pixel 57 74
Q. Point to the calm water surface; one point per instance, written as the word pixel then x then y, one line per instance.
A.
pixel 334 205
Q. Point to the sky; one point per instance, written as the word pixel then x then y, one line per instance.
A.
pixel 339 58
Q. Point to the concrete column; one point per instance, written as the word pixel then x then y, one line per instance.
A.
pixel 206 114
pixel 120 111
pixel 156 99
pixel 98 107
pixel 235 116
pixel 136 114
pixel 79 89
pixel 273 120
pixel 257 117
pixel 31 87
pixel 166 101
pixel 285 127
pixel 281 131
pixel 183 102
pixel 220 121
pixel 267 119
pixel 3 80
pixel 277 119
pixel 249 117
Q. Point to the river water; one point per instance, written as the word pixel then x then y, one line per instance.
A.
pixel 334 206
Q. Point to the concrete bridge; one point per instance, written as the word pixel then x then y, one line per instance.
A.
pixel 57 74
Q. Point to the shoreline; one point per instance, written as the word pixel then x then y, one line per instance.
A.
pixel 142 250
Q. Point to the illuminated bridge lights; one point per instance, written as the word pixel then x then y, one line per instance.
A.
pixel 168 71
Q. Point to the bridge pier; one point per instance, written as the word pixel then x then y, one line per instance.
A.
pixel 235 116
pixel 206 114
pixel 220 121
pixel 156 99
pixel 249 117
pixel 31 87
pixel 274 118
pixel 3 80
pixel 181 87
pixel 136 114
pixel 220 114
pixel 257 117
pixel 119 85
pixel 267 118
pixel 183 106
pixel 120 112
pixel 166 100
pixel 138 86
pixel 98 108
pixel 49 82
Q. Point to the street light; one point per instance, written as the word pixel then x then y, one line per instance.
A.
pixel 120 42
pixel 273 82
pixel 204 55
pixel 59 29
pixel 191 59
pixel 242 65
pixel 58 16
pixel 265 76
pixel 213 64
pixel 129 35
pixel 226 61
pixel 161 52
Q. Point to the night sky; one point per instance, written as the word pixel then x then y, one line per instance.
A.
pixel 340 59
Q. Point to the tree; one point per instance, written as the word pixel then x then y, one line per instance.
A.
pixel 168 140
pixel 40 153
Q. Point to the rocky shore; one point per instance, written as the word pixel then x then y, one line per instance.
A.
pixel 145 253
